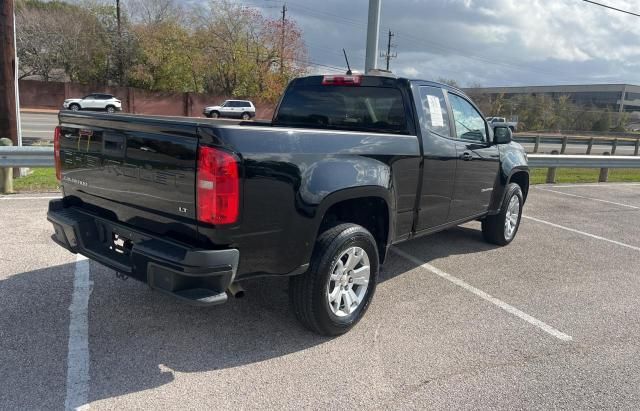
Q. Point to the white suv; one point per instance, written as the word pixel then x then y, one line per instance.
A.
pixel 243 109
pixel 95 101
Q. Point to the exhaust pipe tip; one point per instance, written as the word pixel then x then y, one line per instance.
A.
pixel 236 290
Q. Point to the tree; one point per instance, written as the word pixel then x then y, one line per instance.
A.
pixel 221 47
pixel 243 50
pixel 164 61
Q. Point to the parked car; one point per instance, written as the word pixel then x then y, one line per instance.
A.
pixel 495 121
pixel 95 102
pixel 349 166
pixel 243 109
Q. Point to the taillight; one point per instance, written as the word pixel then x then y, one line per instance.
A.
pixel 341 80
pixel 56 151
pixel 218 186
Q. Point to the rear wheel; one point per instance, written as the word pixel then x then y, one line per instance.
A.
pixel 502 228
pixel 74 107
pixel 246 116
pixel 336 291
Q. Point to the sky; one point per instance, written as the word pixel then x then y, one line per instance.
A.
pixel 478 42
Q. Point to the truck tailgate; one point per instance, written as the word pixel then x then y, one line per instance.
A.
pixel 141 173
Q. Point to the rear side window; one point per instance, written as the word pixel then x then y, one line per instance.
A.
pixel 374 109
pixel 245 104
pixel 435 110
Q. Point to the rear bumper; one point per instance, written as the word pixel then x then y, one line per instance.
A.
pixel 194 275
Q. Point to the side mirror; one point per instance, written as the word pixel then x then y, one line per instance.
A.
pixel 502 135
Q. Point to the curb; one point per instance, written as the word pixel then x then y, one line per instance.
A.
pixel 39 110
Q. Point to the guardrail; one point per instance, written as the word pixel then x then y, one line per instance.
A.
pixel 604 163
pixel 43 157
pixel 588 142
pixel 26 157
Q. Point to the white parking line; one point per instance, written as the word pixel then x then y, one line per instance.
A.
pixel 595 185
pixel 27 198
pixel 587 198
pixel 78 355
pixel 573 230
pixel 507 307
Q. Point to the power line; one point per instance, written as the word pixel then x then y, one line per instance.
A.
pixel 612 8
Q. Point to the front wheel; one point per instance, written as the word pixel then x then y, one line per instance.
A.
pixel 214 114
pixel 111 109
pixel 336 291
pixel 501 228
pixel 74 107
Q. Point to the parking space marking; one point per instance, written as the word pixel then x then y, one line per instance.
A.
pixel 28 198
pixel 485 296
pixel 78 354
pixel 595 185
pixel 587 198
pixel 573 230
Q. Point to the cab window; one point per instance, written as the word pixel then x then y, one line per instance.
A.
pixel 469 123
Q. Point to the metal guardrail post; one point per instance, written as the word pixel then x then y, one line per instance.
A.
pixel 537 146
pixel 565 140
pixel 614 146
pixel 604 172
pixel 551 172
pixel 6 174
pixel 637 148
pixel 590 145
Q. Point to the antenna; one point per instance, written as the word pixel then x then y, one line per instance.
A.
pixel 348 66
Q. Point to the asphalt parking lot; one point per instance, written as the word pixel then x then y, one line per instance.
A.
pixel 551 321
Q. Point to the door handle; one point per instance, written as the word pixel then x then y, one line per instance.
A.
pixel 466 156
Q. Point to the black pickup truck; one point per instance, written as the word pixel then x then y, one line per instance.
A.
pixel 348 166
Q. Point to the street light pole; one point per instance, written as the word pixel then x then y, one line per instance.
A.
pixel 373 28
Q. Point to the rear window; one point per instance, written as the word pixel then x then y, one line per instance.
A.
pixel 374 109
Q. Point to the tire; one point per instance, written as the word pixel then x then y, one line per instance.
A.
pixel 502 228
pixel 207 115
pixel 310 293
pixel 74 107
pixel 214 114
pixel 111 109
pixel 246 116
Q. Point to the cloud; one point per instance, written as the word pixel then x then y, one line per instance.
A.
pixel 491 42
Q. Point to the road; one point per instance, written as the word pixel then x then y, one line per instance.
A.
pixel 38 126
pixel 551 321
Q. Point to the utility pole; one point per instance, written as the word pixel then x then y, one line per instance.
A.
pixel 119 53
pixel 388 56
pixel 284 22
pixel 8 121
pixel 373 28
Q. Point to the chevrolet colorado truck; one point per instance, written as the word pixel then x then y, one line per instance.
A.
pixel 349 166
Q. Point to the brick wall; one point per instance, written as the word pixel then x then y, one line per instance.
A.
pixel 50 95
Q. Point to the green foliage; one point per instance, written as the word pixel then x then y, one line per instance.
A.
pixel 543 112
pixel 219 47
pixel 40 179
pixel 584 175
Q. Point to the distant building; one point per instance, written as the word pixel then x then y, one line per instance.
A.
pixel 618 97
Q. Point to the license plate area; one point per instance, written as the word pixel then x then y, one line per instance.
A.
pixel 120 244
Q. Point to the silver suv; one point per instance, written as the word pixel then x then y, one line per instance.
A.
pixel 243 109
